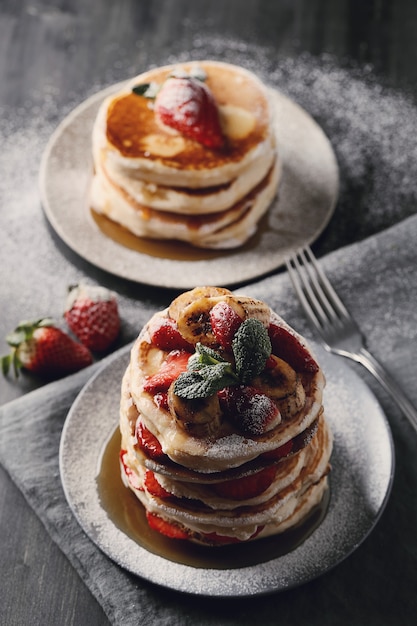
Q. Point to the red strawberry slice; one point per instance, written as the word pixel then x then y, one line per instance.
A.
pixel 91 312
pixel 161 400
pixel 165 335
pixel 186 104
pixel 153 487
pixel 224 322
pixel 287 347
pixel 169 529
pixel 129 473
pixel 175 363
pixel 149 443
pixel 246 487
pixel 250 409
pixel 44 349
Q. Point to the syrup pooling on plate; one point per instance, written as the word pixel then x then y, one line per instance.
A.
pixel 224 437
pixel 129 517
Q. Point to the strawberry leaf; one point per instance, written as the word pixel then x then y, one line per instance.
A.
pixel 148 90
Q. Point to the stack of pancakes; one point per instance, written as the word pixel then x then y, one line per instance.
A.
pixel 215 481
pixel 160 184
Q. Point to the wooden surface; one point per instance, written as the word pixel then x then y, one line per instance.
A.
pixel 56 52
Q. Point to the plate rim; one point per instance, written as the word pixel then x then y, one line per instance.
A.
pixel 128 269
pixel 208 586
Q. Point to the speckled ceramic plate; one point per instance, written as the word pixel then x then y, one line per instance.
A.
pixel 305 203
pixel 360 483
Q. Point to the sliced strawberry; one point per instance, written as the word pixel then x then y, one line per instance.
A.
pixel 254 412
pixel 287 347
pixel 279 453
pixel 175 363
pixel 129 473
pixel 165 335
pixel 187 105
pixel 153 487
pixel 149 443
pixel 161 400
pixel 169 529
pixel 224 322
pixel 246 487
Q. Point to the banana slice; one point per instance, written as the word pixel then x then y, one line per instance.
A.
pixel 200 417
pixel 247 307
pixel 193 320
pixel 186 298
pixel 283 385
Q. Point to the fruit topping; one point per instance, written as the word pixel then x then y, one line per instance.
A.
pixel 149 443
pixel 246 487
pixel 286 346
pixel 165 335
pixel 208 371
pixel 225 323
pixel 187 105
pixel 153 487
pixel 131 476
pixel 200 417
pixel 252 411
pixel 169 529
pixel 281 383
pixel 42 348
pixel 91 312
pixel 175 363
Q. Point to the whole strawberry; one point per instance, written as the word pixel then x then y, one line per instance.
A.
pixel 187 104
pixel 44 349
pixel 91 312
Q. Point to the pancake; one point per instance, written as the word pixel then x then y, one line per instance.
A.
pixel 218 465
pixel 144 171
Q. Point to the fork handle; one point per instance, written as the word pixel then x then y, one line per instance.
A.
pixel 366 359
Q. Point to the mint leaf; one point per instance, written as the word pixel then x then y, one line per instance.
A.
pixel 207 373
pixel 204 383
pixel 251 347
pixel 204 356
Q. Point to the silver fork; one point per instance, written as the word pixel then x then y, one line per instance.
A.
pixel 337 329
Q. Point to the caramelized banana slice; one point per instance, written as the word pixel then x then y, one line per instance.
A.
pixel 247 307
pixel 194 319
pixel 200 417
pixel 283 385
pixel 186 298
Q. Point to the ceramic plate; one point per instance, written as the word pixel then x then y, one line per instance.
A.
pixel 360 482
pixel 305 203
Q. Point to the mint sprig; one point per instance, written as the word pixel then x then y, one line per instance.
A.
pixel 208 371
pixel 251 347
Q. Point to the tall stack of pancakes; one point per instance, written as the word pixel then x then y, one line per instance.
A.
pixel 160 184
pixel 213 472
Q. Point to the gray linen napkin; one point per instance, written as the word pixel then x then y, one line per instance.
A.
pixel 376 585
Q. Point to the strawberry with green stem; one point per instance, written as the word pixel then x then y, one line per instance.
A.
pixel 186 104
pixel 44 349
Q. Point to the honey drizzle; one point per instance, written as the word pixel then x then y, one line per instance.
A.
pixel 128 514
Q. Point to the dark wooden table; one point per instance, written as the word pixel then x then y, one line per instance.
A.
pixel 56 52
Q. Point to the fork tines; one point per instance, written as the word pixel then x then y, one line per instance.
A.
pixel 314 290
